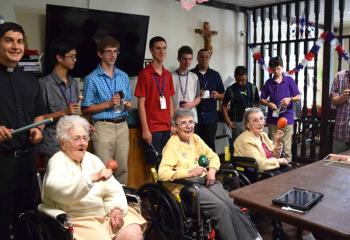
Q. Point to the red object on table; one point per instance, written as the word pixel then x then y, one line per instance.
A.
pixel 112 164
pixel 282 122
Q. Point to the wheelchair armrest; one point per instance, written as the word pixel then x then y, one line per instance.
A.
pixel 245 162
pixel 227 168
pixel 63 220
pixel 244 159
pixel 131 195
pixel 190 182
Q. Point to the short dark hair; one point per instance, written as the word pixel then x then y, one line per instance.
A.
pixel 107 41
pixel 154 40
pixel 240 71
pixel 275 62
pixel 184 50
pixel 60 46
pixel 10 26
pixel 202 50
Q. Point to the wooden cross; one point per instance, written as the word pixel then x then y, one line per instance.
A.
pixel 206 34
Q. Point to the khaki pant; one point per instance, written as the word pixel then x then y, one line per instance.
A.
pixel 111 141
pixel 286 140
pixel 99 227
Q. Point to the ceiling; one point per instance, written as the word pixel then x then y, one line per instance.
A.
pixel 250 3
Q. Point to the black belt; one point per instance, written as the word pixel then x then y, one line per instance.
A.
pixel 17 153
pixel 117 120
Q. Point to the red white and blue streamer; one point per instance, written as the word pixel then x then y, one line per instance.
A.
pixel 325 37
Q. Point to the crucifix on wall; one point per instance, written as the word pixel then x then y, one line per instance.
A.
pixel 206 34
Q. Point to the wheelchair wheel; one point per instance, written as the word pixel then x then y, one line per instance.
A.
pixel 162 212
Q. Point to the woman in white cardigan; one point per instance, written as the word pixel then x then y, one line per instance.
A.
pixel 77 183
pixel 255 143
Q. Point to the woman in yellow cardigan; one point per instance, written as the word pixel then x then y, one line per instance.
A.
pixel 180 161
pixel 255 143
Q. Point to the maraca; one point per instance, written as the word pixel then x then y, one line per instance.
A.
pixel 112 164
pixel 203 161
pixel 282 122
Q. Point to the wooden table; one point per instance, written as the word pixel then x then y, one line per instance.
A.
pixel 330 217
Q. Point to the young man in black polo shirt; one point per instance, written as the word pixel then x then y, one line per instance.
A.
pixel 20 104
pixel 239 96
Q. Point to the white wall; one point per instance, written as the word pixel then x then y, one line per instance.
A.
pixel 167 19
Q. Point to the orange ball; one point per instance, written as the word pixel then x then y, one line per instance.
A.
pixel 282 122
pixel 112 164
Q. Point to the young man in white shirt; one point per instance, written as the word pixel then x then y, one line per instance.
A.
pixel 186 83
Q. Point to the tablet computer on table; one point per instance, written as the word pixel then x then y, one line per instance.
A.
pixel 299 199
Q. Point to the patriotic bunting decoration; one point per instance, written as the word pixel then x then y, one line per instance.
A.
pixel 325 37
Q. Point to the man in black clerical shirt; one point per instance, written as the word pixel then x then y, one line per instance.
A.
pixel 20 104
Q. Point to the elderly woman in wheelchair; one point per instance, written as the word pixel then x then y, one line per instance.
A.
pixel 180 161
pixel 254 143
pixel 78 184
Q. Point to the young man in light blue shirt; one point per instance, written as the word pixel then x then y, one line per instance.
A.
pixel 107 97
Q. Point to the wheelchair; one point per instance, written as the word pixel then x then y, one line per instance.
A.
pixel 248 171
pixel 179 217
pixel 37 225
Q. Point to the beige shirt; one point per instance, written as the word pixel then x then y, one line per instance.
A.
pixel 67 187
pixel 248 144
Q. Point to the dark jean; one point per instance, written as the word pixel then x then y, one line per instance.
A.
pixel 208 133
pixel 159 139
pixel 24 195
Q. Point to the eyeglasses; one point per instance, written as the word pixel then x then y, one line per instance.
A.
pixel 78 139
pixel 71 57
pixel 110 52
pixel 186 124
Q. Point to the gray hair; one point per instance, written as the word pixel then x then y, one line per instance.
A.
pixel 67 123
pixel 247 114
pixel 180 113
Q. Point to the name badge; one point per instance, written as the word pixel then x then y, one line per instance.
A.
pixel 275 114
pixel 206 94
pixel 162 102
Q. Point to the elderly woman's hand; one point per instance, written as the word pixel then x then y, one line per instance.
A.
pixel 196 172
pixel 211 176
pixel 116 217
pixel 279 135
pixel 103 175
pixel 283 161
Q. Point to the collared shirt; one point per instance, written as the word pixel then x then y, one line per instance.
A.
pixel 100 88
pixel 157 119
pixel 57 97
pixel 240 98
pixel 207 109
pixel 276 92
pixel 20 102
pixel 342 119
pixel 186 89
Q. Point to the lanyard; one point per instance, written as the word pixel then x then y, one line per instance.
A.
pixel 65 96
pixel 204 82
pixel 182 91
pixel 246 103
pixel 161 91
